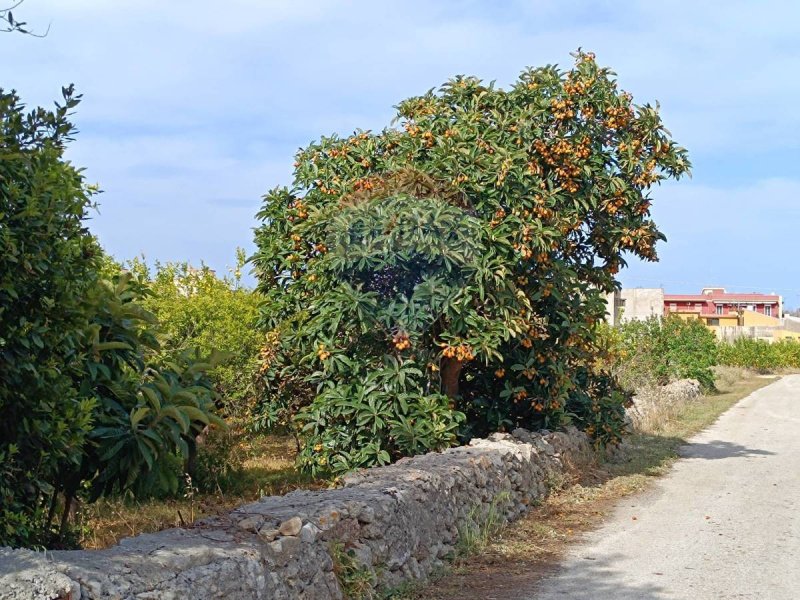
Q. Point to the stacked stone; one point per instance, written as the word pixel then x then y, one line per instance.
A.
pixel 399 522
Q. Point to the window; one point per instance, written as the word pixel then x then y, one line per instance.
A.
pixel 673 307
pixel 719 309
pixel 768 310
pixel 713 322
pixel 698 307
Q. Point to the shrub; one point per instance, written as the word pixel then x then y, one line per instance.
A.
pixel 196 309
pixel 48 262
pixel 444 280
pixel 87 402
pixel 657 351
pixel 760 355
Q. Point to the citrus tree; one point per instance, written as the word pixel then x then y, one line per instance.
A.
pixel 443 279
pixel 88 403
pixel 197 309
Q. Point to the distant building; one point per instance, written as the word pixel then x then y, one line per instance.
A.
pixel 718 308
pixel 634 304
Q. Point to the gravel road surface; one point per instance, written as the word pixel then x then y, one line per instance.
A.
pixel 725 523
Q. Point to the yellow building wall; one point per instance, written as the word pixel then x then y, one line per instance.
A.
pixel 783 334
pixel 755 319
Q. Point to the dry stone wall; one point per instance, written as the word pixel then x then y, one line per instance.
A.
pixel 398 523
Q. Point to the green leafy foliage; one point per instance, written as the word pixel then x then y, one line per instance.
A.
pixel 760 355
pixel 657 351
pixel 47 266
pixel 151 407
pixel 196 309
pixel 88 405
pixel 426 284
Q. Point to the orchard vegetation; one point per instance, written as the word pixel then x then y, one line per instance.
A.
pixel 760 355
pixel 657 351
pixel 444 279
pixel 197 309
pixel 89 405
pixel 418 286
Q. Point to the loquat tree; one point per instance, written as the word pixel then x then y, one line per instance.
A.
pixel 441 280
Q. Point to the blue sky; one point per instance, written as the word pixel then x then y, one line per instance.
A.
pixel 192 110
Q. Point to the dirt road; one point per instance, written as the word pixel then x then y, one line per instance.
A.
pixel 725 523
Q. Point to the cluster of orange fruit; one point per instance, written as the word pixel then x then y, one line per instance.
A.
pixel 462 353
pixel 612 205
pixel 428 137
pixel 341 151
pixel 365 184
pixel 560 157
pixel 648 175
pixel 300 207
pixel 356 140
pixel 485 146
pixel 297 241
pixel 524 251
pixel 401 341
pixel 635 145
pixel 643 207
pixel 500 373
pixel 499 215
pixel 562 109
pixel 268 350
pixel 575 86
pixel 534 168
pixel 618 117
pixel 411 129
pixel 322 353
pixel 543 212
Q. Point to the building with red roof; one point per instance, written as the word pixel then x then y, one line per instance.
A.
pixel 717 307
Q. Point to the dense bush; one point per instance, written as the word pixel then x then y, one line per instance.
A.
pixel 196 309
pixel 444 280
pixel 87 404
pixel 657 351
pixel 760 355
pixel 47 266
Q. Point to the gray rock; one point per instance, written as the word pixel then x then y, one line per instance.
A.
pixel 308 533
pixel 268 533
pixel 251 523
pixel 291 527
pixel 400 520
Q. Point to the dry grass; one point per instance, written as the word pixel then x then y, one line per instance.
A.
pixel 267 469
pixel 521 554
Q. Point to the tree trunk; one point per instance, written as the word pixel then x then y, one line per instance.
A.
pixel 62 532
pixel 451 373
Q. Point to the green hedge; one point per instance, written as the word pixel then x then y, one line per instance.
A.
pixel 760 355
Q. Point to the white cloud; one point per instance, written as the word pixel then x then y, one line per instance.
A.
pixel 189 103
